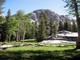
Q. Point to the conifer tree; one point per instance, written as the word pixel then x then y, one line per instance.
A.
pixel 20 17
pixel 74 8
pixel 33 30
pixel 1 21
pixel 7 23
pixel 8 15
pixel 70 26
pixel 42 28
pixel 66 25
pixel 74 27
pixel 61 27
pixel 1 8
pixel 55 29
pixel 51 26
pixel 10 26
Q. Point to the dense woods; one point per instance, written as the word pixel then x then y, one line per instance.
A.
pixel 19 26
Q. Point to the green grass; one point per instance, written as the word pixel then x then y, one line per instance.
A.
pixel 39 53
pixel 20 42
pixel 46 52
pixel 44 48
pixel 30 41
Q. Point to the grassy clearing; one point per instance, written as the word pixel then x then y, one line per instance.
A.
pixel 49 52
pixel 38 53
pixel 44 48
pixel 20 42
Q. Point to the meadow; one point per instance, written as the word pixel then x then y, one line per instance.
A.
pixel 40 52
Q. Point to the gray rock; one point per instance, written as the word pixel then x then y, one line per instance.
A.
pixel 49 14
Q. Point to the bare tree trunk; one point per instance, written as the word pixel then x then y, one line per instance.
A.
pixel 24 35
pixel 9 37
pixel 18 33
pixel 78 23
pixel 17 37
pixel 78 40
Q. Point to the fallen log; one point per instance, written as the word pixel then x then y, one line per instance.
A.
pixel 3 47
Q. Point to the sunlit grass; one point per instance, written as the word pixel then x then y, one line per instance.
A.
pixel 44 48
pixel 39 52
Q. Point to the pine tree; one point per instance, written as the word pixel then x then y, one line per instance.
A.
pixel 8 15
pixel 51 26
pixel 66 25
pixel 10 26
pixel 7 27
pixel 74 27
pixel 74 8
pixel 20 17
pixel 70 26
pixel 42 28
pixel 1 8
pixel 61 27
pixel 33 30
pixel 1 21
pixel 55 30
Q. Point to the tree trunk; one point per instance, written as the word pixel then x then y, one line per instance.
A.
pixel 24 35
pixel 78 23
pixel 9 37
pixel 78 40
pixel 18 33
pixel 17 37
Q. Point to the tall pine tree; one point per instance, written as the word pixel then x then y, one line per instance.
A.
pixel 51 26
pixel 1 21
pixel 1 8
pixel 74 27
pixel 66 25
pixel 42 28
pixel 74 8
pixel 61 26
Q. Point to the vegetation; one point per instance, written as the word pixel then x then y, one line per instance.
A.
pixel 34 51
pixel 48 52
pixel 42 28
pixel 53 27
pixel 74 6
pixel 61 26
pixel 19 27
pixel 70 24
pixel 66 25
pixel 1 8
pixel 74 27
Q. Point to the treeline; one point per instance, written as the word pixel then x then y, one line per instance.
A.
pixel 19 27
pixel 45 28
pixel 68 26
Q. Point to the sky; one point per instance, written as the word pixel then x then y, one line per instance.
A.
pixel 30 5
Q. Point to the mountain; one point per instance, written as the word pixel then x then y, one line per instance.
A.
pixel 35 15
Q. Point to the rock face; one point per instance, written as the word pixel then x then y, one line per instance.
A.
pixel 49 14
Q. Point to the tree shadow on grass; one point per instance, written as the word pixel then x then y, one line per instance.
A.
pixel 72 54
pixel 40 55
